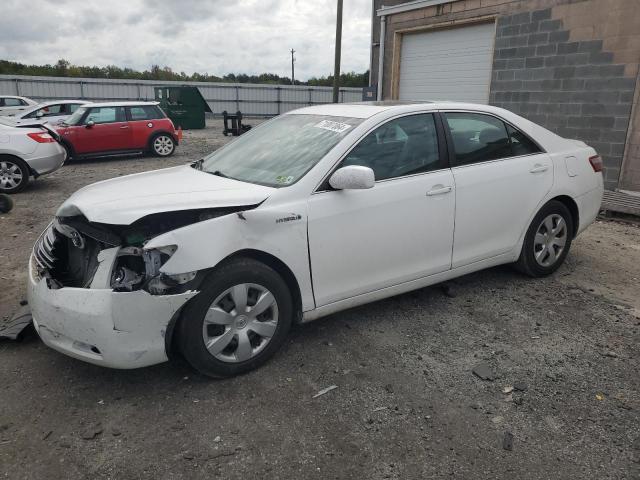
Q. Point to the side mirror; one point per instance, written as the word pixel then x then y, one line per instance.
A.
pixel 90 124
pixel 352 177
pixel 40 114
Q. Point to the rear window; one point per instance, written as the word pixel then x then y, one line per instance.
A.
pixel 13 102
pixel 145 112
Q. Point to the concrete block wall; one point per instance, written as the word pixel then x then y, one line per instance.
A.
pixel 552 66
pixel 570 65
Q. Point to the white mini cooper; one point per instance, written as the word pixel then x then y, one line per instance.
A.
pixel 313 212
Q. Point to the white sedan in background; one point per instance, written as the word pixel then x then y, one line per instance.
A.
pixel 53 112
pixel 27 152
pixel 12 104
pixel 318 210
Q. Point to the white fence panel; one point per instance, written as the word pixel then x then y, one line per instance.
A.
pixel 250 99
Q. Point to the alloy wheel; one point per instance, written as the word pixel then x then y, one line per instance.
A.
pixel 550 240
pixel 163 145
pixel 10 175
pixel 240 323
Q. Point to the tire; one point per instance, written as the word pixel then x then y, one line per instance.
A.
pixel 547 241
pixel 6 204
pixel 162 145
pixel 227 345
pixel 68 151
pixel 14 174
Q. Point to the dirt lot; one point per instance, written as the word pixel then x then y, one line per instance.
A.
pixel 407 403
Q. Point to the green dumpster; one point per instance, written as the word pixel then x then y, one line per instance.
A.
pixel 185 106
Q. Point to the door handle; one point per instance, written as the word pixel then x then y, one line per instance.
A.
pixel 124 126
pixel 439 190
pixel 538 168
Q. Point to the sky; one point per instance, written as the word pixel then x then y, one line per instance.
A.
pixel 205 36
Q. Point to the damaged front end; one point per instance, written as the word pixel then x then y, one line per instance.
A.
pixel 74 252
pixel 98 294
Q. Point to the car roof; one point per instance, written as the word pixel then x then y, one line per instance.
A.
pixel 369 109
pixel 58 102
pixel 120 104
pixel 53 102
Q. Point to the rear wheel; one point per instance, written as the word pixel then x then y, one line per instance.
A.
pixel 14 174
pixel 239 319
pixel 68 151
pixel 163 145
pixel 547 241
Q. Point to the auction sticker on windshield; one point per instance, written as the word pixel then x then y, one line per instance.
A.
pixel 333 126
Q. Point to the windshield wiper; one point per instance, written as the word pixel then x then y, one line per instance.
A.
pixel 198 164
pixel 219 174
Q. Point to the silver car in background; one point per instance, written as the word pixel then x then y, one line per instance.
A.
pixel 26 152
pixel 51 112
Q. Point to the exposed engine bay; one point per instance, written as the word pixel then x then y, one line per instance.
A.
pixel 68 254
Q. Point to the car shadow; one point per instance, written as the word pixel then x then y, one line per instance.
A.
pixel 304 337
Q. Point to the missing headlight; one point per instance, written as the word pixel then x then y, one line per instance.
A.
pixel 139 269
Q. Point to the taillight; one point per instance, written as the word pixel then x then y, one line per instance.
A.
pixel 41 137
pixel 596 163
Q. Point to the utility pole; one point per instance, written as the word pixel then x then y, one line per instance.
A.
pixel 293 70
pixel 336 70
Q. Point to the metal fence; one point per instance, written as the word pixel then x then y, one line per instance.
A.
pixel 250 99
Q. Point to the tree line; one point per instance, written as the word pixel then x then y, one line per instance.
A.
pixel 63 68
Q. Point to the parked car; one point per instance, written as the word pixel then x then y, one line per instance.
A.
pixel 117 128
pixel 318 210
pixel 26 152
pixel 11 104
pixel 50 112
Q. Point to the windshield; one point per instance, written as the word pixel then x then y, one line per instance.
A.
pixel 279 152
pixel 74 119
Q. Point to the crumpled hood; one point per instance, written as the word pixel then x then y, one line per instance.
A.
pixel 123 200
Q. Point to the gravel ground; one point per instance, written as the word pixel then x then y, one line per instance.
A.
pixel 407 404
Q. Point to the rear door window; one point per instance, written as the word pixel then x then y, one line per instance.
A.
pixel 477 137
pixel 481 138
pixel 13 102
pixel 520 143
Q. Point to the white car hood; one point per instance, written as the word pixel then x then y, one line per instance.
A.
pixel 123 200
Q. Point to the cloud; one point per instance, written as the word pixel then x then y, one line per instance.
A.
pixel 206 36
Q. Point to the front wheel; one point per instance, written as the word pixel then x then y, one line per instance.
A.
pixel 163 145
pixel 547 241
pixel 239 319
pixel 14 174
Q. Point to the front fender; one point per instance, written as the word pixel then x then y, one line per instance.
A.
pixel 279 231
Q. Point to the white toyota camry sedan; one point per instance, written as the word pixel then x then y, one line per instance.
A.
pixel 318 210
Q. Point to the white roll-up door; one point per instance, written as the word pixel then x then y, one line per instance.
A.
pixel 450 64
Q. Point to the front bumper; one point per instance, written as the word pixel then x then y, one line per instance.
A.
pixel 47 158
pixel 103 327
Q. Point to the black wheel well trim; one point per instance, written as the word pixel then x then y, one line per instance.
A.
pixel 281 268
pixel 571 204
pixel 32 172
pixel 170 339
pixel 68 145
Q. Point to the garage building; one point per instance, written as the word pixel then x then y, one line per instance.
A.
pixel 569 65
